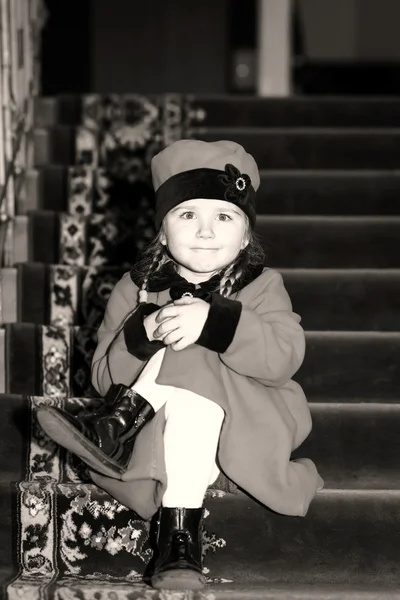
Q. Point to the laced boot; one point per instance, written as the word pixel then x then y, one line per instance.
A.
pixel 103 439
pixel 178 565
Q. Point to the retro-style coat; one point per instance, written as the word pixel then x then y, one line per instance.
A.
pixel 251 346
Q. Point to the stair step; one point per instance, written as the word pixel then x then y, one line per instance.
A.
pixel 329 192
pixel 330 242
pixel 326 299
pixel 314 149
pixel 345 299
pixel 64 295
pixel 251 111
pixel 289 241
pixel 241 111
pixel 111 238
pixel 41 359
pixel 220 590
pixel 355 445
pixel 337 541
pixel 61 189
pixel 351 365
pixel 272 148
pixel 35 456
pixel 73 189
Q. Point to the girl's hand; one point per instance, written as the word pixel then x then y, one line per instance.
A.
pixel 182 322
pixel 150 324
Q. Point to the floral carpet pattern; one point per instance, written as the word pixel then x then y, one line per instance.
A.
pixel 72 531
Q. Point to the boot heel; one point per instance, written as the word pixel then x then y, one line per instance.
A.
pixel 178 580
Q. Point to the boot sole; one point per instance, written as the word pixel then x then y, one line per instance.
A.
pixel 178 579
pixel 62 432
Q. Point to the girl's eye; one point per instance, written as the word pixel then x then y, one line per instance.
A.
pixel 188 215
pixel 224 217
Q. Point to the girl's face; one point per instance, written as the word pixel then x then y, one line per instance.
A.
pixel 204 236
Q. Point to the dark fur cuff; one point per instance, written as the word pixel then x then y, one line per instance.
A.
pixel 222 321
pixel 136 339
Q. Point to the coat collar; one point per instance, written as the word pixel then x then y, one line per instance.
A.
pixel 167 277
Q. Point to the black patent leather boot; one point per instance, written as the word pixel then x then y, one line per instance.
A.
pixel 103 439
pixel 178 564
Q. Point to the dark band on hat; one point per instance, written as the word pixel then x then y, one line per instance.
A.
pixel 212 184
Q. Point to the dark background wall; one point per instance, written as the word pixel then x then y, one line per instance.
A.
pixel 157 46
pixel 149 46
pixel 160 46
pixel 66 55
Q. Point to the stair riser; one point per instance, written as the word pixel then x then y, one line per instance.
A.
pixel 344 300
pixel 271 150
pixel 49 188
pixel 250 112
pixel 337 365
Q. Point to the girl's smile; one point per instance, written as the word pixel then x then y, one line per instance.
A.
pixel 209 249
pixel 204 236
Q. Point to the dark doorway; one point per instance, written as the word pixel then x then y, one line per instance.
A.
pixel 66 43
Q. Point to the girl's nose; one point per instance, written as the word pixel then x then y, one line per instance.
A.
pixel 205 230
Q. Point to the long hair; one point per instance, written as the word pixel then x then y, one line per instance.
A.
pixel 156 255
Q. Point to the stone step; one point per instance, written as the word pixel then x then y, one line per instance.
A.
pixel 87 536
pixel 55 361
pixel 227 111
pixel 294 242
pixel 326 299
pixel 303 192
pixel 272 148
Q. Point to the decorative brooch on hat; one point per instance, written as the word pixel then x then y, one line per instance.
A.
pixel 237 184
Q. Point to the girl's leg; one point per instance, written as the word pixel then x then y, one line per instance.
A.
pixel 191 437
pixel 104 439
pixel 146 386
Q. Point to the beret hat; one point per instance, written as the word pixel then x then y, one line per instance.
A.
pixel 189 169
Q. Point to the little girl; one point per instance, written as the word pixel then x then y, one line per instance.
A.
pixel 195 357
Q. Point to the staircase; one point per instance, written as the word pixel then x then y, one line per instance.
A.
pixel 329 217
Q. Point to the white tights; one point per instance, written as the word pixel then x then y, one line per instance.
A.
pixel 191 436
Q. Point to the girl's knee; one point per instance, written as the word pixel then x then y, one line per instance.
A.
pixel 193 406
